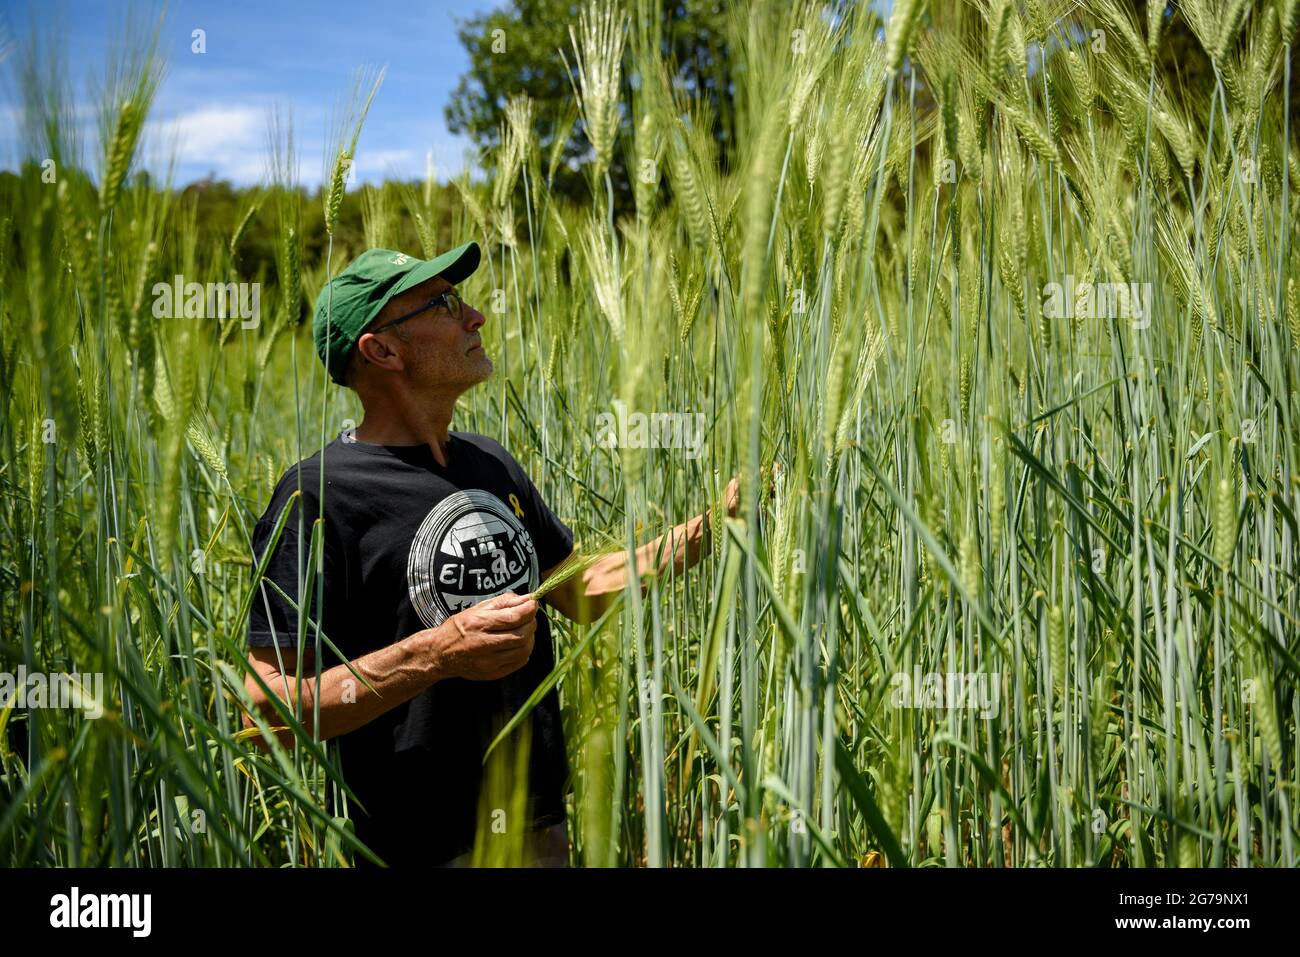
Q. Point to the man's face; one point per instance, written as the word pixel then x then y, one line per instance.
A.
pixel 437 350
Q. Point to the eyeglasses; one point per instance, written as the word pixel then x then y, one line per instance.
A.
pixel 444 300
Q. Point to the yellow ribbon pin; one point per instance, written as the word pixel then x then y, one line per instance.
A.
pixel 514 503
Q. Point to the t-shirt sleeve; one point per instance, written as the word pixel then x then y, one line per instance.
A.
pixel 553 538
pixel 272 619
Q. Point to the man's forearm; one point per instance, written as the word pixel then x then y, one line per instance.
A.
pixel 397 672
pixel 583 598
pixel 680 548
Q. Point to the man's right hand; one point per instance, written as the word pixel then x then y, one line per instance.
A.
pixel 489 640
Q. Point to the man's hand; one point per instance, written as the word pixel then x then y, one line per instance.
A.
pixel 731 496
pixel 488 641
pixel 583 597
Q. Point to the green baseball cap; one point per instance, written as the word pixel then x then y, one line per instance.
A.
pixel 352 299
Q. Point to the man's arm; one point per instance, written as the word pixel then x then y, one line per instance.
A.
pixel 398 673
pixel 482 643
pixel 584 597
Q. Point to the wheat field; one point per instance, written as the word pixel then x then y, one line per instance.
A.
pixel 996 318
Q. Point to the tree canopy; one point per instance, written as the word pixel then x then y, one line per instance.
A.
pixel 517 49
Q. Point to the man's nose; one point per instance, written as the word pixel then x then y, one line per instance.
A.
pixel 473 318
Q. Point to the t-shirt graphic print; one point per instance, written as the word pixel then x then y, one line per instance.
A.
pixel 469 548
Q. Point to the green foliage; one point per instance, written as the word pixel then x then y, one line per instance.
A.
pixel 1086 507
pixel 525 57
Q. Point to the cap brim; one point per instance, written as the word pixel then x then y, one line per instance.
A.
pixel 455 266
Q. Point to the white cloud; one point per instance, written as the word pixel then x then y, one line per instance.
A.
pixel 228 140
pixel 218 135
pixel 381 160
pixel 447 157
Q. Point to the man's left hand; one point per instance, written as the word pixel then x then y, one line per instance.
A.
pixel 732 497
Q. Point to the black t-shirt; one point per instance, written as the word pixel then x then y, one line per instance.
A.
pixel 408 543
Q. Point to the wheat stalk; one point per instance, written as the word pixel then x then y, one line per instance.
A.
pixel 598 56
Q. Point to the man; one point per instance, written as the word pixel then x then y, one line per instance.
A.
pixel 431 539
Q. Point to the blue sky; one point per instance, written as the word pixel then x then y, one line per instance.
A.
pixel 299 57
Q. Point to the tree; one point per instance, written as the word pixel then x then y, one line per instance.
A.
pixel 517 49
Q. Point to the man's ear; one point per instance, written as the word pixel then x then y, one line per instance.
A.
pixel 376 351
